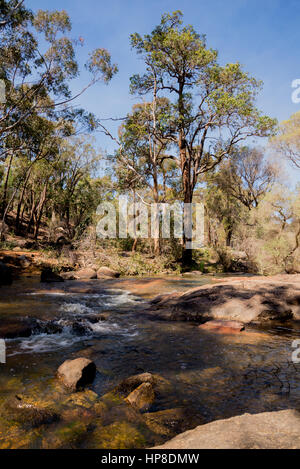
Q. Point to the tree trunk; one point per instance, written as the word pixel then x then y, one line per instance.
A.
pixel 40 211
pixel 187 253
pixel 133 249
pixel 19 219
pixel 3 205
pixel 228 237
pixel 156 234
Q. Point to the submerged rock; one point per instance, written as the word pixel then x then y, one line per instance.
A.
pixel 29 412
pixel 48 276
pixel 105 272
pixel 77 373
pixel 118 425
pixel 142 397
pixel 169 422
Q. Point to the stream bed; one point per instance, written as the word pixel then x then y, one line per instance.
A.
pixel 216 376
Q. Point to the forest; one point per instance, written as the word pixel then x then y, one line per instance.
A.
pixel 194 134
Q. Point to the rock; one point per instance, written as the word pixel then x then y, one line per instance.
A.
pixel 131 383
pixel 48 276
pixel 279 314
pixel 170 422
pixel 118 425
pixel 268 430
pixel 244 299
pixel 197 272
pixel 5 274
pixel 75 374
pixel 142 397
pixel 47 327
pixel 64 436
pixel 80 328
pixel 24 262
pixel 27 411
pixel 161 386
pixel 105 272
pixel 11 330
pixel 86 274
pixel 223 327
pixel 68 275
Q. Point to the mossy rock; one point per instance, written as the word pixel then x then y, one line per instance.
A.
pixel 113 408
pixel 142 397
pixel 17 438
pixel 170 422
pixel 119 435
pixel 160 385
pixel 65 436
pixel 83 399
pixel 29 412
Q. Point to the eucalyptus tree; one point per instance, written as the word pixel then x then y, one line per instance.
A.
pixel 142 155
pixel 246 176
pixel 38 59
pixel 213 106
pixel 37 62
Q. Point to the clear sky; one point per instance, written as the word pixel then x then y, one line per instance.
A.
pixel 262 35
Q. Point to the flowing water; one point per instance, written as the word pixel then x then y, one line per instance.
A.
pixel 216 376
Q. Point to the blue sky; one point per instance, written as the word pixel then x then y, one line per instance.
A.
pixel 262 35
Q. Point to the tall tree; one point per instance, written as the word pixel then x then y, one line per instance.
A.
pixel 142 153
pixel 213 106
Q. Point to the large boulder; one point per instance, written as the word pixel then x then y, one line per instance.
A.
pixel 75 374
pixel 268 430
pixel 105 272
pixel 142 397
pixel 48 276
pixel 86 274
pixel 246 300
pixel 5 274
